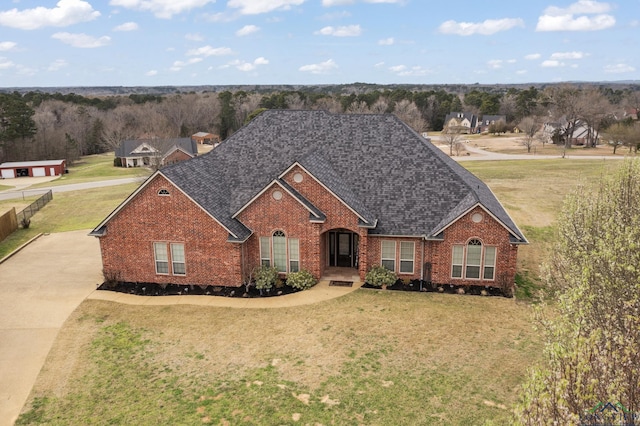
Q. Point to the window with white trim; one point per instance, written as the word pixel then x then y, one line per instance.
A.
pixel 177 259
pixel 489 263
pixel 388 254
pixel 457 261
pixel 294 255
pixel 407 249
pixel 280 252
pixel 279 244
pixel 473 261
pixel 265 251
pixel 161 258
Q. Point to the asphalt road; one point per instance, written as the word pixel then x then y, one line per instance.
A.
pixel 22 188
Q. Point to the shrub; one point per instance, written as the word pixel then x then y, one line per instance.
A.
pixel 266 277
pixel 301 280
pixel 379 276
pixel 25 223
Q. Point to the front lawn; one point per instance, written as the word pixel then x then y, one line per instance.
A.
pixel 372 357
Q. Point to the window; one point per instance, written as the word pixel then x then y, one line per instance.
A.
pixel 161 257
pixel 177 259
pixel 163 192
pixel 388 255
pixel 478 258
pixel 280 252
pixel 457 261
pixel 294 255
pixel 489 263
pixel 474 257
pixel 265 251
pixel 406 257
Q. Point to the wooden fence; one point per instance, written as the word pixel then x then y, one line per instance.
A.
pixel 8 223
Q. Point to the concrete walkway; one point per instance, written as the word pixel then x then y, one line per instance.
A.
pixel 42 284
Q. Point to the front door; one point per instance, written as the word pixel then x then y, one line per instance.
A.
pixel 343 249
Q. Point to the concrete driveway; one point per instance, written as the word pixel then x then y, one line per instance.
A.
pixel 39 288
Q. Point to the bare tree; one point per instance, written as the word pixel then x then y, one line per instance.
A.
pixel 358 108
pixel 408 112
pixel 329 104
pixel 380 106
pixel 451 135
pixel 294 101
pixel 565 105
pixel 596 109
pixel 529 127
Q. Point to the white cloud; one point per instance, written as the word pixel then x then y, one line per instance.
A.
pixel 164 9
pixel 379 65
pixel 151 73
pixel 82 40
pixel 328 3
pixel 574 17
pixel 521 72
pixel 246 66
pixel 579 7
pixel 346 31
pixel 127 26
pixel 386 42
pixel 533 56
pixel 210 51
pixel 398 68
pixel 549 63
pixel 57 64
pixel 65 13
pixel 495 63
pixel 567 55
pixel 255 7
pixel 194 37
pixel 5 63
pixel 488 27
pixel 178 65
pixel 246 30
pixel 7 45
pixel 618 68
pixel 321 68
pixel 404 71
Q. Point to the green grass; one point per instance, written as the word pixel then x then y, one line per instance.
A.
pixel 387 358
pixel 93 168
pixel 67 211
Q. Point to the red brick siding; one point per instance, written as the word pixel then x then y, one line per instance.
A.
pixel 127 247
pixel 374 254
pixel 265 215
pixel 175 157
pixel 490 233
pixel 338 215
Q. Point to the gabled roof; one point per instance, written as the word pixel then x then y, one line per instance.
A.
pixel 397 182
pixel 473 119
pixel 128 148
pixel 40 163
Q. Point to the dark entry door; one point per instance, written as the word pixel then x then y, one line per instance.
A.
pixel 344 249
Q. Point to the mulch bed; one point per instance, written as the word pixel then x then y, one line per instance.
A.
pixel 416 285
pixel 153 289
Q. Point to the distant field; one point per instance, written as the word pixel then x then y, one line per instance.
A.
pixel 371 357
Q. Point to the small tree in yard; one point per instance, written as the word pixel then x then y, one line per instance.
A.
pixel 379 276
pixel 529 128
pixel 301 280
pixel 266 278
pixel 451 135
pixel 592 335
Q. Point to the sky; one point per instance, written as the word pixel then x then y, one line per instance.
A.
pixel 231 42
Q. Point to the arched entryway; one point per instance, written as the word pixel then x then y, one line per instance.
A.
pixel 341 248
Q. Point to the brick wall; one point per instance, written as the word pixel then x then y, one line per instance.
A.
pixel 127 247
pixel 175 157
pixel 490 233
pixel 374 255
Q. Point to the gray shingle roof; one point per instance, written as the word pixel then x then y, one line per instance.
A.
pixel 376 164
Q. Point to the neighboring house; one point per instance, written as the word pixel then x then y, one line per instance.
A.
pixel 206 138
pixel 155 152
pixel 557 132
pixel 488 120
pixel 465 121
pixel 312 190
pixel 32 168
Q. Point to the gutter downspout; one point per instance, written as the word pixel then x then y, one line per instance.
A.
pixel 424 237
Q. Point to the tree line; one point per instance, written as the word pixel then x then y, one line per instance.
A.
pixel 36 125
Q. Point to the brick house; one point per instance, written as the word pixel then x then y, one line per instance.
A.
pixel 155 151
pixel 312 190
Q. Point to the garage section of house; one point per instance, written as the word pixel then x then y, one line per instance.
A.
pixel 16 169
